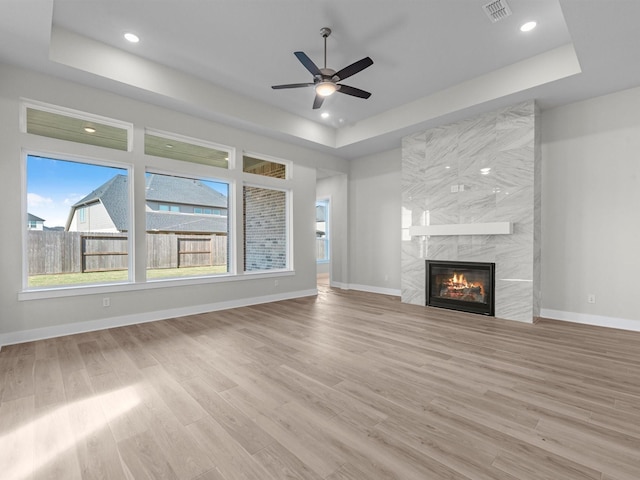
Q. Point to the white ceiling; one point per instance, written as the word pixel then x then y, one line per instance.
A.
pixel 434 60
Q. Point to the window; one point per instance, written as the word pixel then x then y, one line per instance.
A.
pixel 74 126
pixel 187 215
pixel 168 208
pixel 322 231
pixel 266 243
pixel 264 167
pixel 85 238
pixel 182 244
pixel 185 149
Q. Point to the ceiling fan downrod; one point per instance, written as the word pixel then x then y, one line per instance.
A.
pixel 325 32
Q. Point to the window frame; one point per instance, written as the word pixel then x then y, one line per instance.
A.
pixel 176 137
pixel 84 159
pixel 268 158
pixel 26 104
pixel 288 227
pixel 136 163
pixel 192 174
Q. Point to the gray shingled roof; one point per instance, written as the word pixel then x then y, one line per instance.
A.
pixel 114 193
pixel 164 188
pixel 32 218
pixel 182 222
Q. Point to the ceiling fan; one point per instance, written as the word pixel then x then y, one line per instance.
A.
pixel 325 80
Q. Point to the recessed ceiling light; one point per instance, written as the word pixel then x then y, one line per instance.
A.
pixel 324 114
pixel 89 129
pixel 132 37
pixel 527 27
pixel 447 167
pixel 485 171
pixel 168 145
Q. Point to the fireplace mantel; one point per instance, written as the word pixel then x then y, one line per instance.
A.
pixel 494 228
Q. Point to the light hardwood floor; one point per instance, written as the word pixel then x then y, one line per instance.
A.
pixel 345 386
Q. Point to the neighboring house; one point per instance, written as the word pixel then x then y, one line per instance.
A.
pixel 173 204
pixel 34 223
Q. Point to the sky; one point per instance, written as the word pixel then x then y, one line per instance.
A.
pixel 53 186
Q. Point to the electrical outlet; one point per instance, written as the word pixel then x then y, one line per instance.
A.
pixel 275 283
pixel 591 298
pixel 106 302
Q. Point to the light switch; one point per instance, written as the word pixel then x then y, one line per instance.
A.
pixel 454 188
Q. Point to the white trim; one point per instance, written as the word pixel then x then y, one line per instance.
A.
pixel 588 319
pixel 104 323
pixel 288 173
pixel 191 140
pixel 96 289
pixel 493 228
pixel 26 103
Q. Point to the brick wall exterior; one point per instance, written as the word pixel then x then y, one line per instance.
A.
pixel 264 167
pixel 265 229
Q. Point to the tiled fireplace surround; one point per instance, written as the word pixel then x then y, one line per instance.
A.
pixel 439 161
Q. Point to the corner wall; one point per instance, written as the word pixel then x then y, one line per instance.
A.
pixel 374 223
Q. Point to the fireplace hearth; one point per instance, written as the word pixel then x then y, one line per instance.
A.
pixel 464 286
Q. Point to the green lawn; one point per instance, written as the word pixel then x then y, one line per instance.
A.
pixel 65 279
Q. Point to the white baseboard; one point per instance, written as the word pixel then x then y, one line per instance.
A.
pixel 587 319
pixel 367 288
pixel 104 323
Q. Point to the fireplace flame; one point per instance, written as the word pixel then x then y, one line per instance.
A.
pixel 458 285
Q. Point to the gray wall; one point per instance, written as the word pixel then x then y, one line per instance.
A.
pixel 374 222
pixel 29 317
pixel 591 210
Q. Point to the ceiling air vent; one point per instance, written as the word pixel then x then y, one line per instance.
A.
pixel 497 10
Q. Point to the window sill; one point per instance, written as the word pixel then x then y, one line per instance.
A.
pixel 60 292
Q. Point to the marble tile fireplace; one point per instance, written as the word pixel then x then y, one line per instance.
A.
pixel 471 193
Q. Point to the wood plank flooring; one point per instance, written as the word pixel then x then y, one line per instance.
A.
pixel 345 386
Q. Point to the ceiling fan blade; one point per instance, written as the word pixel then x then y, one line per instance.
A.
pixel 354 68
pixel 317 102
pixel 353 91
pixel 292 85
pixel 308 63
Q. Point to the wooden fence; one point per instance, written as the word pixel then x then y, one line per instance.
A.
pixel 52 252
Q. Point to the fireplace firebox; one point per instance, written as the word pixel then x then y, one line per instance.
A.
pixel 464 286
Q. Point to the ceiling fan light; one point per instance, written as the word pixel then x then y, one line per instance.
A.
pixel 324 89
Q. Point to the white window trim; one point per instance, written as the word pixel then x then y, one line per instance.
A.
pixel 289 267
pixel 231 207
pixel 259 156
pixel 77 159
pixel 69 112
pixel 231 151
